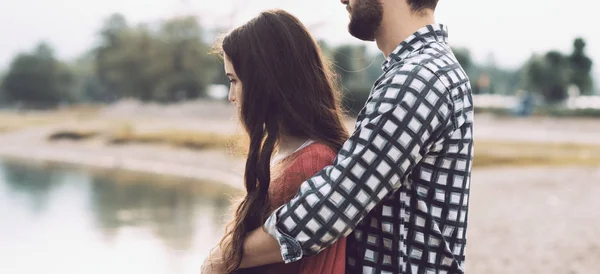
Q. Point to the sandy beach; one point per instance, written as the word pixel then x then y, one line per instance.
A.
pixel 534 220
pixel 522 220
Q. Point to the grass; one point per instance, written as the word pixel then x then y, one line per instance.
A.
pixel 73 135
pixel 494 111
pixel 502 153
pixel 545 111
pixel 589 113
pixel 13 121
pixel 487 153
pixel 126 133
pixel 10 121
pixel 178 138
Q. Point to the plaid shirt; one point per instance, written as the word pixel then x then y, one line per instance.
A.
pixel 399 187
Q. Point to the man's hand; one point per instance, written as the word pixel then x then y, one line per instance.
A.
pixel 259 249
pixel 214 263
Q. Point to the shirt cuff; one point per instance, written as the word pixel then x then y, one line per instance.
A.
pixel 291 250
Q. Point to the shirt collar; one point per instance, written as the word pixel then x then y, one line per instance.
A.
pixel 415 42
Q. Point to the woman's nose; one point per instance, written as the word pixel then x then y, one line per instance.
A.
pixel 231 96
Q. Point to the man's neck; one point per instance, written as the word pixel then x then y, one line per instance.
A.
pixel 398 25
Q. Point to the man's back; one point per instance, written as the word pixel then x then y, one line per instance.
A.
pixel 399 186
pixel 422 225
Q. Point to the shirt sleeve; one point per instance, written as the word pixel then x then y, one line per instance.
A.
pixel 406 113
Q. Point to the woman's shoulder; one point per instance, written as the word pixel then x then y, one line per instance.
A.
pixel 316 153
pixel 316 149
pixel 311 159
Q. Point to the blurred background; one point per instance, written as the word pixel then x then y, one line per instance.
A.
pixel 120 153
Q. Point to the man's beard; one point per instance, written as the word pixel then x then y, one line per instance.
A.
pixel 365 19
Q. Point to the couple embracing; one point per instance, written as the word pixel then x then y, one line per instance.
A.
pixel 391 196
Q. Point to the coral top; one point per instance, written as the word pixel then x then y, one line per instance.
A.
pixel 299 167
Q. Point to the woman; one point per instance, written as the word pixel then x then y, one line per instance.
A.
pixel 289 106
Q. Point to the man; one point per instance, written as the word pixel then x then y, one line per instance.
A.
pixel 399 188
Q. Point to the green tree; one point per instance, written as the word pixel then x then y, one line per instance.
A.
pixel 355 67
pixel 215 60
pixel 86 83
pixel 2 94
pixel 167 62
pixel 357 70
pixel 374 70
pixel 180 61
pixel 344 64
pixel 38 79
pixel 215 65
pixel 115 68
pixel 581 67
pixel 463 56
pixel 548 76
pixel 326 49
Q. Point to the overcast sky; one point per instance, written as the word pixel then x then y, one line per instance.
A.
pixel 511 30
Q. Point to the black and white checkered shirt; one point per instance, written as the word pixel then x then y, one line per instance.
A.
pixel 399 187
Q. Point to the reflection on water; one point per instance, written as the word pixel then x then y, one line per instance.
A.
pixel 67 220
pixel 33 184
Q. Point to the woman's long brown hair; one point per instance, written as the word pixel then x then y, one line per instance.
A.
pixel 288 88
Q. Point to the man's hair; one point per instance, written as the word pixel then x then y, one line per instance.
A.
pixel 420 5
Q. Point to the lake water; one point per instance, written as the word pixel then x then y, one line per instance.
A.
pixel 64 219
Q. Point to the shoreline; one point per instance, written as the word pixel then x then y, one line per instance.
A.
pixel 203 167
pixel 217 165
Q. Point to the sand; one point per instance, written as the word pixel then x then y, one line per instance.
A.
pixel 536 220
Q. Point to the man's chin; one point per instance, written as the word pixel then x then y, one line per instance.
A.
pixel 369 39
pixel 366 39
pixel 362 36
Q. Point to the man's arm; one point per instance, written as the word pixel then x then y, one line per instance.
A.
pixel 259 249
pixel 406 114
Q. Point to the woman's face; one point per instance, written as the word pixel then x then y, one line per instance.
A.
pixel 235 85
